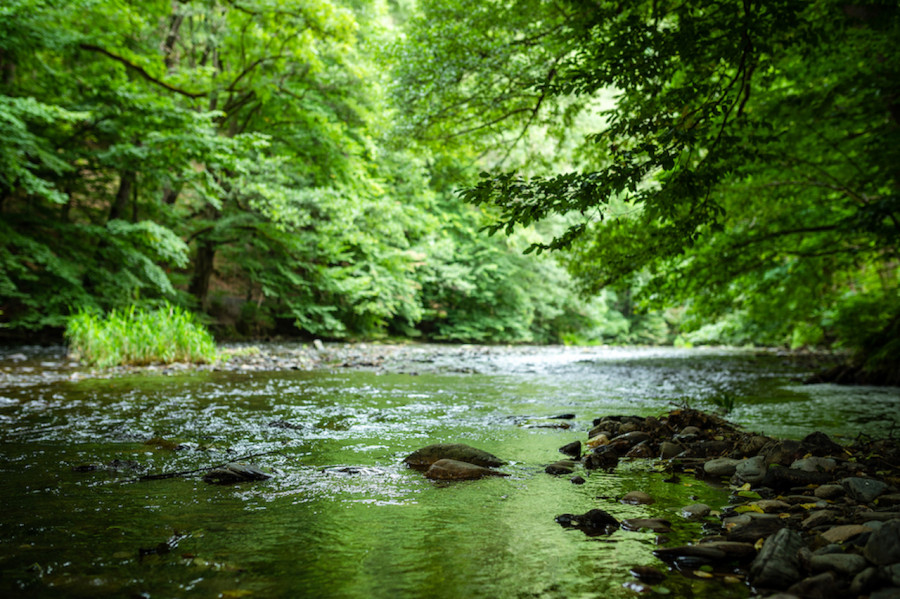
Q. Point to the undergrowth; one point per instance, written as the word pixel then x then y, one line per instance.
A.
pixel 136 336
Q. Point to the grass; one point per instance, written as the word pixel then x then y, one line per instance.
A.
pixel 136 337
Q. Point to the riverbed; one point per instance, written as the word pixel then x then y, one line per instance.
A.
pixel 342 516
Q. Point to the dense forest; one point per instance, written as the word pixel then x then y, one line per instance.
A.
pixel 720 171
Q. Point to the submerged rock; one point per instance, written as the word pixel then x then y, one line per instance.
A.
pixel 233 473
pixel 423 458
pixel 657 525
pixel 637 498
pixel 455 470
pixel 593 522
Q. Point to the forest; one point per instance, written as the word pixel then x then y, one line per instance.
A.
pixel 572 171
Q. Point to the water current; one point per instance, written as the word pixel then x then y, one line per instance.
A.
pixel 342 516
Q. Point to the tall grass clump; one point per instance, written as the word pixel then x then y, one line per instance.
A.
pixel 137 336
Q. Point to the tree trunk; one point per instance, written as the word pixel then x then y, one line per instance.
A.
pixel 126 183
pixel 203 269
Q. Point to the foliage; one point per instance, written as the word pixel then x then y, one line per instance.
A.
pixel 136 337
pixel 747 166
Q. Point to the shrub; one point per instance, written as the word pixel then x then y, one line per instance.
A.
pixel 137 336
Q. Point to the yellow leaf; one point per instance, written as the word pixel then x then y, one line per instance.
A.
pixel 759 543
pixel 750 507
pixel 702 574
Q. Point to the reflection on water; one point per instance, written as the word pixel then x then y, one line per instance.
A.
pixel 342 517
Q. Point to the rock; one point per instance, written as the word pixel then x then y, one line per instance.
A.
pixel 690 430
pixel 772 506
pixel 562 417
pixel 890 499
pixel 629 440
pixel 657 525
pixel 821 586
pixel 577 480
pixel 233 473
pixel 863 490
pixel 752 470
pixel 786 478
pixel 733 550
pixel 883 546
pixel 758 528
pixel 864 581
pixel 815 464
pixel 647 574
pixel 695 511
pixel 668 450
pixel 819 444
pixel 561 467
pixel 892 574
pixel 845 564
pixel 602 458
pixel 829 491
pixel 598 440
pixel 889 593
pixel 721 467
pixel 839 534
pixel 819 518
pixel 572 449
pixel 750 445
pixel 455 470
pixel 593 522
pixel 422 459
pixel 784 452
pixel 629 427
pixel 637 498
pixel 778 564
pixel 641 451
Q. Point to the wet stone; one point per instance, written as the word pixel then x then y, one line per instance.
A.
pixel 668 450
pixel 572 449
pixel 770 506
pixel 577 480
pixel 233 473
pixel 820 518
pixel 844 532
pixel 829 491
pixel 820 586
pixel 778 564
pixel 752 470
pixel 657 525
pixel 561 467
pixel 846 564
pixel 637 498
pixel 695 511
pixel 883 546
pixel 593 522
pixel 602 458
pixel 647 574
pixel 423 458
pixel 455 470
pixel 863 490
pixel 721 467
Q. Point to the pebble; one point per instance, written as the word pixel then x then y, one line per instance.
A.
pixel 695 511
pixel 829 491
pixel 721 466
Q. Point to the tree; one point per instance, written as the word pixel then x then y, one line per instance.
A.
pixel 748 164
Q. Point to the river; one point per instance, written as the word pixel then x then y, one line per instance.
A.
pixel 342 516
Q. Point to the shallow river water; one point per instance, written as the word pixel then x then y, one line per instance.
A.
pixel 342 516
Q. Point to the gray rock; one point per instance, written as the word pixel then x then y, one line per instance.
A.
pixel 883 546
pixel 819 518
pixel 637 498
pixel 829 491
pixel 721 466
pixel 846 564
pixel 815 464
pixel 891 573
pixel 863 490
pixel 844 532
pixel 752 470
pixel 759 528
pixel 572 449
pixel 889 593
pixel 784 452
pixel 668 450
pixel 456 470
pixel 422 459
pixel 820 586
pixel 864 581
pixel 695 511
pixel 778 564
pixel 233 473
pixel 561 467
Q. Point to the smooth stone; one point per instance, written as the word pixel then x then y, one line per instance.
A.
pixel 572 449
pixel 423 458
pixel 721 466
pixel 839 534
pixel 233 473
pixel 647 574
pixel 455 470
pixel 752 470
pixel 778 564
pixel 820 586
pixel 561 467
pixel 883 546
pixel 829 491
pixel 846 564
pixel 695 511
pixel 819 518
pixel 657 525
pixel 772 506
pixel 602 458
pixel 864 581
pixel 815 464
pixel 577 480
pixel 630 439
pixel 598 440
pixel 637 498
pixel 863 490
pixel 668 450
pixel 739 520
pixel 690 430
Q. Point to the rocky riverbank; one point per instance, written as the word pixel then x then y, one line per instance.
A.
pixel 806 519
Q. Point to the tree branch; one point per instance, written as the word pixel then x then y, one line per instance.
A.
pixel 140 71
